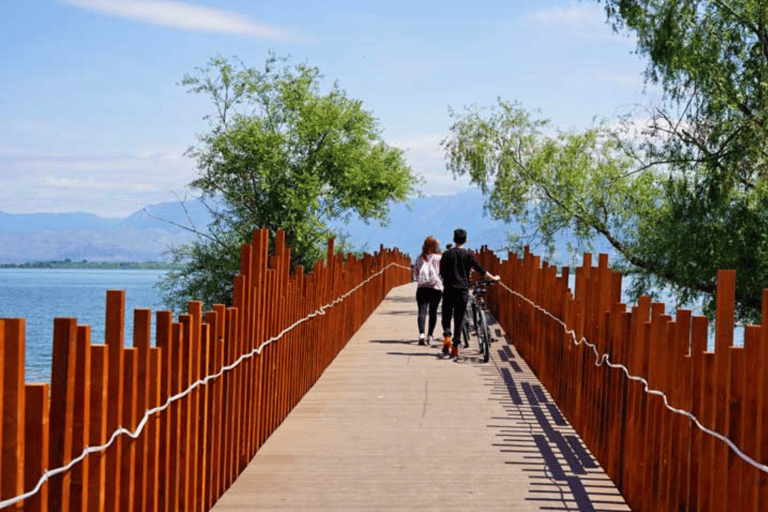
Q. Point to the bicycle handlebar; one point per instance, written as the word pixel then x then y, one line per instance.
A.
pixel 482 283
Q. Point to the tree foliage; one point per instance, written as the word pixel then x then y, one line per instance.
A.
pixel 281 153
pixel 711 60
pixel 686 196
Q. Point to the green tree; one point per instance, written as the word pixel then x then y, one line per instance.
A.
pixel 681 199
pixel 590 184
pixel 280 154
pixel 711 60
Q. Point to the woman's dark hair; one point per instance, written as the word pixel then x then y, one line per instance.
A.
pixel 431 246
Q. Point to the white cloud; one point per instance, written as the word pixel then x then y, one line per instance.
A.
pixel 586 20
pixel 186 16
pixel 427 159
pixel 107 185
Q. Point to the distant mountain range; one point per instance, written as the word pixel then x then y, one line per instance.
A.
pixel 146 234
pixel 142 236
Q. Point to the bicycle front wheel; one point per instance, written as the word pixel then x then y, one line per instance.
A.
pixel 483 335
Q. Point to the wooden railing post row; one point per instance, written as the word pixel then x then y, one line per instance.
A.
pixel 177 461
pixel 663 462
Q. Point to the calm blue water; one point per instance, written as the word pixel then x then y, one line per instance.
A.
pixel 40 295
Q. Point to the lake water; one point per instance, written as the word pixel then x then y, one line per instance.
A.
pixel 40 295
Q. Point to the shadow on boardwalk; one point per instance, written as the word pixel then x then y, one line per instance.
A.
pixel 393 426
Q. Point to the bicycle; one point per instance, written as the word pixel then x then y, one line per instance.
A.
pixel 475 314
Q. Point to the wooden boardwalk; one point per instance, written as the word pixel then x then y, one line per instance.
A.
pixel 392 426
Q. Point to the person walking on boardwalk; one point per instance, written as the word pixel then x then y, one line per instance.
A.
pixel 455 267
pixel 426 272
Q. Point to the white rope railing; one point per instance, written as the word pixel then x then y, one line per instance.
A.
pixel 605 358
pixel 137 432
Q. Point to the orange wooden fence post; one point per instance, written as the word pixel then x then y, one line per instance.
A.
pixel 114 339
pixel 97 427
pixel 163 341
pixel 81 420
pixel 36 454
pixel 680 426
pixel 761 447
pixel 142 321
pixel 153 436
pixel 724 318
pixel 12 407
pixel 63 368
pixel 127 473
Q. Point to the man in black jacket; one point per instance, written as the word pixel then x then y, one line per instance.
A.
pixel 455 267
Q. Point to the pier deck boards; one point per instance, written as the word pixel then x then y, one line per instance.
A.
pixel 390 426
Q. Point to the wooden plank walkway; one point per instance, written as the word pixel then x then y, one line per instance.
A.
pixel 391 426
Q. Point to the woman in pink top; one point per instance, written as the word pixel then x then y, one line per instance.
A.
pixel 430 287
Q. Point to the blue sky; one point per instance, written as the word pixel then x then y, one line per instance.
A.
pixel 92 118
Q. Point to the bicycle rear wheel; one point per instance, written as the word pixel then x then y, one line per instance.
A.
pixel 465 331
